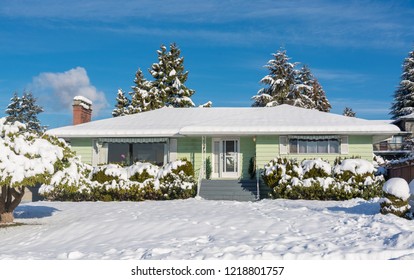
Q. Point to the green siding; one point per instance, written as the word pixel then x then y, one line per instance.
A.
pixel 82 147
pixel 360 146
pixel 247 151
pixel 190 149
pixel 267 148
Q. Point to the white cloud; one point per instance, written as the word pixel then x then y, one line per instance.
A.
pixel 56 90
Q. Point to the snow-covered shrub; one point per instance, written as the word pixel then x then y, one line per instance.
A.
pixel 140 181
pixel 316 179
pixel 26 159
pixel 107 173
pixel 396 196
pixel 380 166
pixel 280 170
pixel 176 180
pixel 359 175
pixel 316 168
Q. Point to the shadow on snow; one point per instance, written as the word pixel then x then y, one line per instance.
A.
pixel 363 208
pixel 30 211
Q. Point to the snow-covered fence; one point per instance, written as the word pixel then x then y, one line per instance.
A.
pixel 403 170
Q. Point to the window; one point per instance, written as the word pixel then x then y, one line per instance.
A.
pixel 129 153
pixel 148 152
pixel 119 153
pixel 313 145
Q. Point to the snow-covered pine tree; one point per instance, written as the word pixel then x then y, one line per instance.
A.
pixel 319 98
pixel 286 85
pixel 403 103
pixel 14 109
pixel 25 110
pixel 170 77
pixel 30 111
pixel 144 96
pixel 121 106
pixel 280 81
pixel 304 91
pixel 310 87
pixel 208 104
pixel 349 112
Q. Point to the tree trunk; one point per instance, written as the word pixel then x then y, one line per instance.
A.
pixel 10 198
pixel 6 218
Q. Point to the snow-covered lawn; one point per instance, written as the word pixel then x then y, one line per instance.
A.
pixel 201 229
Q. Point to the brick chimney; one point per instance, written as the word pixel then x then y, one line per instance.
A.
pixel 82 110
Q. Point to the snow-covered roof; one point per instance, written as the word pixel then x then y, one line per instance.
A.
pixel 409 116
pixel 280 120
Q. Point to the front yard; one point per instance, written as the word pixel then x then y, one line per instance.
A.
pixel 201 229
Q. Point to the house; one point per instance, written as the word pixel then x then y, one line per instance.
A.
pixel 397 146
pixel 230 137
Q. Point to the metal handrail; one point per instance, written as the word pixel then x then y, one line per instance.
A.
pixel 257 180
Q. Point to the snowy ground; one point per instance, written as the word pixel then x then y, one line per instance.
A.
pixel 200 229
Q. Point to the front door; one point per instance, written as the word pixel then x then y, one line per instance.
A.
pixel 225 161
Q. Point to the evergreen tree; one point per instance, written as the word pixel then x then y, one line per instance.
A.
pixel 170 77
pixel 310 87
pixel 404 95
pixel 319 98
pixel 280 81
pixel 286 85
pixel 30 110
pixel 349 112
pixel 25 110
pixel 144 96
pixel 167 89
pixel 14 109
pixel 304 88
pixel 208 104
pixel 121 106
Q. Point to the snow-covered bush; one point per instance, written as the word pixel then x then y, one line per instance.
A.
pixel 316 168
pixel 26 159
pixel 140 181
pixel 316 179
pixel 380 165
pixel 280 170
pixel 396 196
pixel 359 175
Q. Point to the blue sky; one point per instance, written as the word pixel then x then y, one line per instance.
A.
pixel 59 49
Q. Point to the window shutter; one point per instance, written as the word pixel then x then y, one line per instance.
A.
pixel 95 152
pixel 173 150
pixel 103 154
pixel 344 145
pixel 283 145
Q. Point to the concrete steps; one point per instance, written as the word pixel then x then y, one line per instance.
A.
pixel 238 190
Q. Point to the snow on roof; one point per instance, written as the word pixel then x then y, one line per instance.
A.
pixel 409 116
pixel 281 120
pixel 382 121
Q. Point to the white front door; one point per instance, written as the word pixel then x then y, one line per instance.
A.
pixel 225 161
